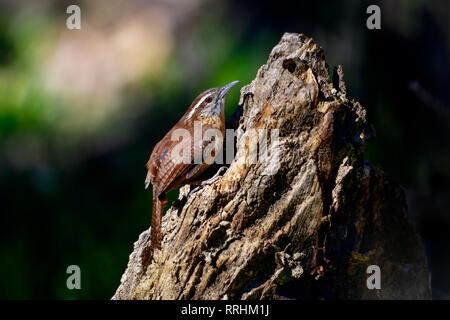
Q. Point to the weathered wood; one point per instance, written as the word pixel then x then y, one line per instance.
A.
pixel 308 231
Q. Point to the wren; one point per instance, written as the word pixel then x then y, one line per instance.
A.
pixel 166 174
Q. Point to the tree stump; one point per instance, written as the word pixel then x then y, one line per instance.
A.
pixel 310 230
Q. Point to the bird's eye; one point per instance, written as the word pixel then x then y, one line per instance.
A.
pixel 208 100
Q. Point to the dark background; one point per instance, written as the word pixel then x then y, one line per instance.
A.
pixel 80 111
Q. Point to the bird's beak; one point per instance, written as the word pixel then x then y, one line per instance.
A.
pixel 225 88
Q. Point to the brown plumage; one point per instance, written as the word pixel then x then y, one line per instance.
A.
pixel 164 173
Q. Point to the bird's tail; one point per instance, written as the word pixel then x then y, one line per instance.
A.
pixel 155 225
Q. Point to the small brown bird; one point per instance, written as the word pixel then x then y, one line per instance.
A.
pixel 165 173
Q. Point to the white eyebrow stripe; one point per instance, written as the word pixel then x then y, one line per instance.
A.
pixel 197 105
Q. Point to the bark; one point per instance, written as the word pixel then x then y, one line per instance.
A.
pixel 310 230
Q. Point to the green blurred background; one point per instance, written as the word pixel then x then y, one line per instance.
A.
pixel 80 111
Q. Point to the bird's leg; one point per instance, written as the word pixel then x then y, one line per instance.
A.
pixel 214 178
pixel 211 180
pixel 193 191
pixel 201 183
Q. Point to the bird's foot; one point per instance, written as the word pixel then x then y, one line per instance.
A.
pixel 193 191
pixel 200 184
pixel 214 178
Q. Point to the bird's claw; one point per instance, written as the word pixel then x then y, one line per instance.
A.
pixel 209 181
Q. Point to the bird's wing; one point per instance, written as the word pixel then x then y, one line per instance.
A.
pixel 170 162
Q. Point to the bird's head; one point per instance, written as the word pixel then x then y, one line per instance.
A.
pixel 209 103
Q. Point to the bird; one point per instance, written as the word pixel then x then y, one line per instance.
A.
pixel 166 173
